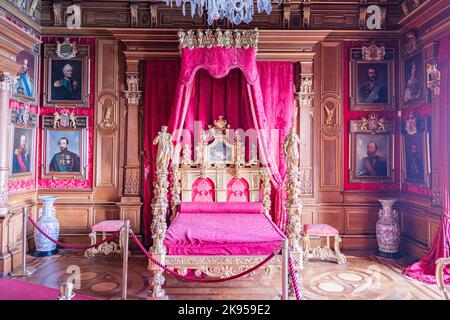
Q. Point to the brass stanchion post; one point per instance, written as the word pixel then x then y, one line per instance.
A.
pixel 24 271
pixel 125 259
pixel 285 270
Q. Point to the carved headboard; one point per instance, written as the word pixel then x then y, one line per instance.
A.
pixel 220 171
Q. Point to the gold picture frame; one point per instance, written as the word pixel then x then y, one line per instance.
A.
pixel 371 150
pixel 416 151
pixel 59 90
pixel 22 144
pixel 65 148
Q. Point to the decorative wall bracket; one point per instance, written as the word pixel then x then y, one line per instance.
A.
pixel 133 94
pixel 433 78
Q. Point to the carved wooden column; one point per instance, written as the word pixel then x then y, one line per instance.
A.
pixel 431 53
pixel 5 88
pixel 130 204
pixel 305 103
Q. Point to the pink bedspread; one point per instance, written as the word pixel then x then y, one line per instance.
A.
pixel 222 234
pixel 221 207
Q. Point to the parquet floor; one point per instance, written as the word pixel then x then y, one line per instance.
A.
pixel 363 277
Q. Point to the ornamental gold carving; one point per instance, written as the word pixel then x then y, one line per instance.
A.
pixel 6 82
pixel 132 94
pixel 57 14
pixel 108 125
pixel 266 193
pixel 228 39
pixel 291 150
pixel 165 149
pixel 306 17
pixel 134 14
pixel 373 124
pixel 175 189
pixel 153 16
pixel 373 52
pixel 222 266
pixel 433 78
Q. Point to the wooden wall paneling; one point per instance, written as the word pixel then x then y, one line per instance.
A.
pixel 414 226
pixel 107 121
pixel 334 216
pixel 361 220
pixel 328 112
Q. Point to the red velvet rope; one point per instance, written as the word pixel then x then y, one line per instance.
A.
pixel 199 279
pixel 72 246
pixel 298 295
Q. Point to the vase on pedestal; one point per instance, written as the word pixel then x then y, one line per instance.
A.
pixel 388 230
pixel 49 224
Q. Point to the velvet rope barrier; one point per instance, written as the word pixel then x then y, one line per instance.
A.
pixel 298 295
pixel 72 246
pixel 199 279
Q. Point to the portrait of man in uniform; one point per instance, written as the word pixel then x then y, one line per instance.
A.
pixel 66 80
pixel 373 164
pixel 372 157
pixel 64 150
pixel 372 83
pixel 25 84
pixel 22 151
pixel 64 160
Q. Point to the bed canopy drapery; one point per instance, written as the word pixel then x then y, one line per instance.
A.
pixel 219 75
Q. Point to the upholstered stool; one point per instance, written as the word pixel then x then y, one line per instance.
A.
pixel 324 253
pixel 107 226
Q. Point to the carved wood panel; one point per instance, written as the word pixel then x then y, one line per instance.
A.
pixel 330 114
pixel 107 112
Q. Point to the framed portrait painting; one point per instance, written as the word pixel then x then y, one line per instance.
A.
pixel 66 79
pixel 371 150
pixel 65 148
pixel 372 85
pixel 413 89
pixel 22 144
pixel 416 153
pixel 25 88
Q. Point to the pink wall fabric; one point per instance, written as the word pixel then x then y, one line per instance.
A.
pixel 210 97
pixel 425 269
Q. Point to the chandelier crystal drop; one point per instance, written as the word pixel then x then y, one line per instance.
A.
pixel 236 11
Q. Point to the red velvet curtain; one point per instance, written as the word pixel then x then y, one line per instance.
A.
pixel 210 98
pixel 425 269
pixel 160 83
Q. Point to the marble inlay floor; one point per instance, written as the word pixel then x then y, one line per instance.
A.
pixel 363 277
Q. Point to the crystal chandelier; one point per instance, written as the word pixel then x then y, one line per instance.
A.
pixel 234 10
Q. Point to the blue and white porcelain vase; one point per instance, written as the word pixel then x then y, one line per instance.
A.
pixel 50 225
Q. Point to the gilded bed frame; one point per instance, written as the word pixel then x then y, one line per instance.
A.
pixel 220 169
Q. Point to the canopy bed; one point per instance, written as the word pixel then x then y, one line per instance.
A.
pixel 218 203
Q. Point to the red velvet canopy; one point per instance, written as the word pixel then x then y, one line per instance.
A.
pixel 219 81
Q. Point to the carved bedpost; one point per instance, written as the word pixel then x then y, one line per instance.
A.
pixel 266 188
pixel 293 203
pixel 175 189
pixel 160 205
